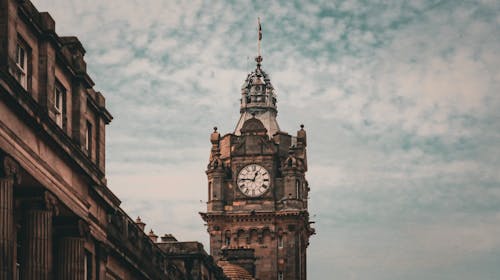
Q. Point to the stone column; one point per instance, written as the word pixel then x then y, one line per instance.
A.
pixel 70 258
pixel 71 251
pixel 8 176
pixel 37 243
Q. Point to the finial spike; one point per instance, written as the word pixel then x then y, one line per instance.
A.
pixel 259 36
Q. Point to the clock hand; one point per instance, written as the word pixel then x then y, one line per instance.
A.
pixel 255 176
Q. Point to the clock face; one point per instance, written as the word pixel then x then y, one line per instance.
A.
pixel 253 180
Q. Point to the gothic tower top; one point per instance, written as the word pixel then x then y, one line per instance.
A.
pixel 258 98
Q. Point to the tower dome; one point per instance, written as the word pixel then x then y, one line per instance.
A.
pixel 258 99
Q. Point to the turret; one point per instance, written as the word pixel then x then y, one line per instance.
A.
pixel 293 169
pixel 215 173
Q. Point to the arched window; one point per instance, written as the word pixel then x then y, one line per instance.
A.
pixel 209 191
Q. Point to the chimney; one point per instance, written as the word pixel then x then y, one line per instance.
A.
pixel 139 222
pixel 153 236
pixel 168 238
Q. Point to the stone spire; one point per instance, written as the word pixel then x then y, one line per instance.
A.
pixel 258 98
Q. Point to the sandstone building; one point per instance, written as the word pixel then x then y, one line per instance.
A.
pixel 257 212
pixel 58 218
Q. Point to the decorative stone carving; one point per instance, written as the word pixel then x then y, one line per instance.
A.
pixel 290 161
pixel 84 229
pixel 10 169
pixel 51 203
pixel 215 138
pixel 216 163
pixel 302 136
pixel 253 126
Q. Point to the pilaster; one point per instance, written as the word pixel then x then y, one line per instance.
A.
pixel 101 260
pixel 70 258
pixel 8 176
pixel 37 246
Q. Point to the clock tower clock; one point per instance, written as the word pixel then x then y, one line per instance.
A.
pixel 257 190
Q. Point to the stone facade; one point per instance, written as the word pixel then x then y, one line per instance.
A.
pixel 257 190
pixel 58 219
pixel 189 260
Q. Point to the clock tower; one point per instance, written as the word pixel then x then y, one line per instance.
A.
pixel 257 190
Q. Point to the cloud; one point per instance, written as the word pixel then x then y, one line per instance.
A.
pixel 399 98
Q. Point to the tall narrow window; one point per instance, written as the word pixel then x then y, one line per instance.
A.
pixel 22 65
pixel 88 138
pixel 60 105
pixel 280 241
pixel 210 196
pixel 280 275
pixel 297 188
pixel 227 238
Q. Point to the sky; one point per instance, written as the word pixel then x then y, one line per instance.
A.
pixel 400 100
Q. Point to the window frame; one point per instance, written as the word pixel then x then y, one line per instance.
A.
pixel 22 63
pixel 297 188
pixel 61 101
pixel 88 138
pixel 281 242
pixel 227 238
